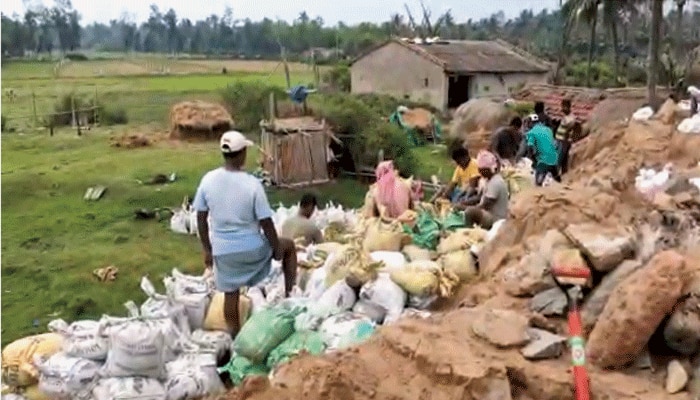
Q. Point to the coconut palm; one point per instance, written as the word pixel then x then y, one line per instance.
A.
pixel 586 11
pixel 657 7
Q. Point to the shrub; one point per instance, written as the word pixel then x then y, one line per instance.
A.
pixel 248 102
pixel 367 132
pixel 76 57
pixel 338 78
pixel 64 106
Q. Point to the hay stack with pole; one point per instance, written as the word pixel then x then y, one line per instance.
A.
pixel 199 120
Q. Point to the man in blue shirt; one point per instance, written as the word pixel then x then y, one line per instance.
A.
pixel 540 144
pixel 237 249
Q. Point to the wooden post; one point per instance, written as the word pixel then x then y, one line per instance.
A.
pixel 286 67
pixel 74 118
pixel 36 118
pixel 94 111
pixel 271 106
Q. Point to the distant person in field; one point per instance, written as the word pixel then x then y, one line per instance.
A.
pixel 300 225
pixel 493 204
pixel 239 253
pixel 506 140
pixel 541 148
pixel 564 134
pixel 465 179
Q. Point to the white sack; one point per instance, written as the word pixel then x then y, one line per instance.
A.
pixel 384 292
pixel 338 298
pixel 64 377
pixel 193 293
pixel 215 342
pixel 81 339
pixel 131 388
pixel 192 376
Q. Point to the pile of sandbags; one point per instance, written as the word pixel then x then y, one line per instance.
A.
pixel 165 349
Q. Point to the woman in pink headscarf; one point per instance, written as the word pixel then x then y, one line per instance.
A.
pixel 494 199
pixel 392 197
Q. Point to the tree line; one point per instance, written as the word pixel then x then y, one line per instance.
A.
pixel 607 37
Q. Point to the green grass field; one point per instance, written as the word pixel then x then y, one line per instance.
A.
pixel 53 239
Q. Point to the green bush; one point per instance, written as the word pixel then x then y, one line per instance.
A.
pixel 76 57
pixel 338 78
pixel 602 75
pixel 386 105
pixel 367 131
pixel 248 102
pixel 64 117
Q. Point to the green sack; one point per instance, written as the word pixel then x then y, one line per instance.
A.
pixel 452 221
pixel 264 331
pixel 238 368
pixel 362 331
pixel 426 232
pixel 308 341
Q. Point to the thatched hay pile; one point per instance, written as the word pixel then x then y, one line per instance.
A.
pixel 418 118
pixel 199 120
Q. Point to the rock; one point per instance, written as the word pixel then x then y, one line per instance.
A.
pixel 635 309
pixel 643 361
pixel 682 331
pixel 676 377
pixel 549 303
pixel 540 321
pixel 502 328
pixel 530 276
pixel 604 248
pixel 684 199
pixel 568 258
pixel 663 201
pixel 678 185
pixel 543 345
pixel 597 299
pixel 551 241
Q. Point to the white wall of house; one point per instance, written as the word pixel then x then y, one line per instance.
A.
pixel 397 71
pixel 499 85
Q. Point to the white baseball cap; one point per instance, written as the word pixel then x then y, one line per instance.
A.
pixel 233 141
pixel 534 117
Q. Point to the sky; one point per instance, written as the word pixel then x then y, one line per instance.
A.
pixel 332 11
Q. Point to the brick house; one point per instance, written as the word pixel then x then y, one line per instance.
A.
pixel 444 73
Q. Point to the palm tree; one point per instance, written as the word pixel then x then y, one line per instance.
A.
pixel 657 9
pixel 583 11
pixel 611 14
pixel 678 39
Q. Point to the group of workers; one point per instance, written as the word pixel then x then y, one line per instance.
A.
pixel 239 239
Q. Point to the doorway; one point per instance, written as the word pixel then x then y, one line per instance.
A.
pixel 457 90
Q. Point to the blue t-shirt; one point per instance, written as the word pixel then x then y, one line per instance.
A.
pixel 542 139
pixel 236 203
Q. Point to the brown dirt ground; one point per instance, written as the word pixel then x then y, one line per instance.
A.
pixel 440 358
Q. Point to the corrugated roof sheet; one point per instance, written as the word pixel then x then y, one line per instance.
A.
pixel 471 56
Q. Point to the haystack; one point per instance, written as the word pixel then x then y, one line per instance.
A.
pixel 418 118
pixel 477 118
pixel 199 120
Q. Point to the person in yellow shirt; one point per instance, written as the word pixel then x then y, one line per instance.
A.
pixel 465 179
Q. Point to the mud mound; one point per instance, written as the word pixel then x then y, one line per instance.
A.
pixel 479 117
pixel 617 151
pixel 198 120
pixel 438 359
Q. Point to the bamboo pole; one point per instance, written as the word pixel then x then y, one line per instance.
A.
pixel 36 117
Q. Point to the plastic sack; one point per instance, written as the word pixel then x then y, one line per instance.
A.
pixel 309 342
pixel 136 348
pixel 643 114
pixel 257 299
pixel 64 377
pixel 415 253
pixel 160 306
pixel 383 237
pixel 214 342
pixel 316 285
pixel 352 262
pixel 419 281
pixel 18 368
pixel 191 292
pixel 426 232
pixel 28 393
pixel 371 310
pixel 461 263
pixel 239 368
pixel 215 321
pixel 338 298
pixel 130 388
pixel 180 221
pixel 192 376
pixel 421 302
pixel 81 339
pixel 391 259
pixel 344 330
pixel 263 332
pixel 461 239
pixel 384 292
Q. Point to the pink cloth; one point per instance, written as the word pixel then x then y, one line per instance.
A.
pixel 391 192
pixel 487 160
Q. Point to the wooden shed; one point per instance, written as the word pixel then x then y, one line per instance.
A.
pixel 296 150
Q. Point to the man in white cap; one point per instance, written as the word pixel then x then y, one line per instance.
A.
pixel 240 253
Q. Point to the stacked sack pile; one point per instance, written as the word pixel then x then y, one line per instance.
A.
pixel 170 346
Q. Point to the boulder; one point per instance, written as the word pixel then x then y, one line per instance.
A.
pixel 597 299
pixel 543 345
pixel 605 248
pixel 529 277
pixel 682 331
pixel 501 328
pixel 551 302
pixel 635 309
